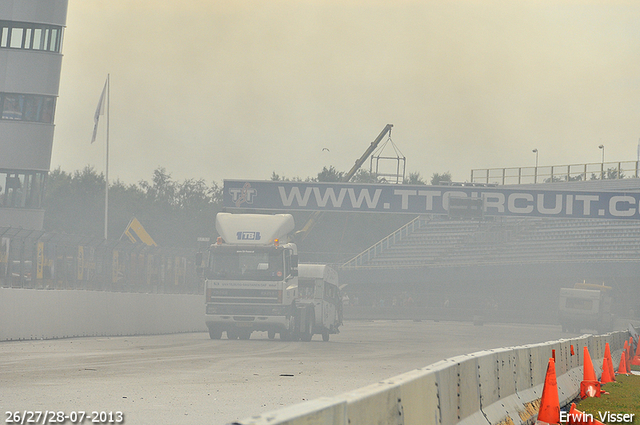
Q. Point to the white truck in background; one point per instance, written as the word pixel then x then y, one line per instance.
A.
pixel 586 306
pixel 252 282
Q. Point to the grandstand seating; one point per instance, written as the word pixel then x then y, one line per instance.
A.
pixel 439 242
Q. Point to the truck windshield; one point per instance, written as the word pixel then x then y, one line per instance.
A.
pixel 247 265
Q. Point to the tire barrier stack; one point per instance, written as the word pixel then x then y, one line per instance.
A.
pixel 34 259
pixel 494 387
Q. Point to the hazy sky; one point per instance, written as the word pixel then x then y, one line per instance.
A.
pixel 239 89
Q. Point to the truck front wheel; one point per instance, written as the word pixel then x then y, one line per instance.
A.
pixel 215 333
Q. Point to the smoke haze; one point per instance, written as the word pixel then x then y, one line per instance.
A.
pixel 238 89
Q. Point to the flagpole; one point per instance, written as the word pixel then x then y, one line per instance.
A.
pixel 106 184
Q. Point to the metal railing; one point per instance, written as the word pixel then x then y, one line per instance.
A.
pixel 385 243
pixel 557 173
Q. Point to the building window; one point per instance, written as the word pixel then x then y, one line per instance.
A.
pixel 26 107
pixel 21 189
pixel 16 38
pixel 4 36
pixel 28 36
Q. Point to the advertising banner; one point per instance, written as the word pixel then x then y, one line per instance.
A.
pixel 280 196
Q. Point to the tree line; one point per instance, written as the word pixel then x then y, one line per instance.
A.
pixel 175 213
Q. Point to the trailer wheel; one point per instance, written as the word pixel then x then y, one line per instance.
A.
pixel 215 333
pixel 244 334
pixel 325 335
pixel 271 334
pixel 232 335
pixel 285 336
pixel 309 324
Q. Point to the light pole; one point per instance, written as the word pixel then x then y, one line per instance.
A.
pixel 602 163
pixel 535 171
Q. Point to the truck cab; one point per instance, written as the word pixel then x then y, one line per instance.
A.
pixel 251 278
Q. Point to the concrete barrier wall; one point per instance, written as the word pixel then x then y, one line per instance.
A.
pixel 501 386
pixel 35 314
pixel 498 386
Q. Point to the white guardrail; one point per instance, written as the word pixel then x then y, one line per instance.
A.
pixel 501 386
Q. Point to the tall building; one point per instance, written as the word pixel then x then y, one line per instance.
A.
pixel 30 61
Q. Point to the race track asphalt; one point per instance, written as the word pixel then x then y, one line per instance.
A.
pixel 188 378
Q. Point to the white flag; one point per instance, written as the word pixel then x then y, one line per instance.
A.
pixel 99 111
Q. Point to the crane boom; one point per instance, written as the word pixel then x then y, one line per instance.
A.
pixel 366 154
pixel 301 234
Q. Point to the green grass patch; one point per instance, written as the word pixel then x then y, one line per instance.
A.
pixel 623 397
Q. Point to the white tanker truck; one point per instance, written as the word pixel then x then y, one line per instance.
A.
pixel 253 282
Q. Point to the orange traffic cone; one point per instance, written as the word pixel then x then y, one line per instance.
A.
pixel 576 417
pixel 606 375
pixel 627 362
pixel 589 373
pixel 550 402
pixel 590 386
pixel 607 355
pixel 622 367
pixel 636 359
pixel 631 354
pixel 626 350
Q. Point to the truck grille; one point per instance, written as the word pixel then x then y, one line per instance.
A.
pixel 246 310
pixel 244 296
